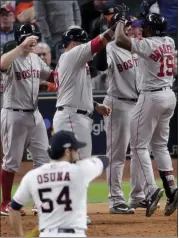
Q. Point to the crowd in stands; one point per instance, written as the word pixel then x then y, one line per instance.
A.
pixel 51 18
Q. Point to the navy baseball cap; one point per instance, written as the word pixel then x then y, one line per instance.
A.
pixel 136 23
pixel 63 140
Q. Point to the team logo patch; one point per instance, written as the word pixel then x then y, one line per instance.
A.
pixel 67 145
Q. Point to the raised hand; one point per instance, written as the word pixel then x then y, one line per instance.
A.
pixel 123 11
pixel 29 43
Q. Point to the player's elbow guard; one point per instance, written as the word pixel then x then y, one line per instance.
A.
pixel 104 159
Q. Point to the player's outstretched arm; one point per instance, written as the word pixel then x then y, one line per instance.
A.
pixel 84 52
pixel 98 43
pixel 121 39
pixel 92 167
pixel 8 58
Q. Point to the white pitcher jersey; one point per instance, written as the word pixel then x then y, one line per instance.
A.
pixel 73 80
pixel 122 69
pixel 59 190
pixel 156 61
pixel 21 82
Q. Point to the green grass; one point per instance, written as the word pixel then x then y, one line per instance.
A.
pixel 98 192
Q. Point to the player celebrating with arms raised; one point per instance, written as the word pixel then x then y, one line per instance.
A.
pixel 74 86
pixel 74 83
pixel 59 189
pixel 121 96
pixel 155 107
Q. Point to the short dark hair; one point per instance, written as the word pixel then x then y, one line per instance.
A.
pixel 62 152
pixel 66 44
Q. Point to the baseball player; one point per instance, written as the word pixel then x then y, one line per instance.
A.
pixel 121 98
pixel 22 125
pixel 74 86
pixel 155 107
pixel 73 80
pixel 137 196
pixel 59 189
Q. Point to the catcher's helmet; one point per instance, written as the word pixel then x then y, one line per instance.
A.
pixel 157 23
pixel 25 31
pixel 74 34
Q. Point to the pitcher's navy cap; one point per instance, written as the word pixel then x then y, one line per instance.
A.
pixel 63 140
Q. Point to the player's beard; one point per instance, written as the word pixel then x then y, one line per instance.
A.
pixel 74 157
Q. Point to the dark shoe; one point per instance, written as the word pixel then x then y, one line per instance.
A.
pixel 122 209
pixel 141 204
pixel 153 201
pixel 171 204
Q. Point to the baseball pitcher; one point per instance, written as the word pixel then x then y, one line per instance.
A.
pixel 155 107
pixel 59 189
pixel 22 125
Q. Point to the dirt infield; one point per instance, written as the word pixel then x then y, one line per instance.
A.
pixel 105 224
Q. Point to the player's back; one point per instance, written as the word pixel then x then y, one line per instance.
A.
pixel 156 61
pixel 59 191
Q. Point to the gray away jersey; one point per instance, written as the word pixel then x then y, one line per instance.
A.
pixel 73 80
pixel 21 82
pixel 122 67
pixel 156 61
